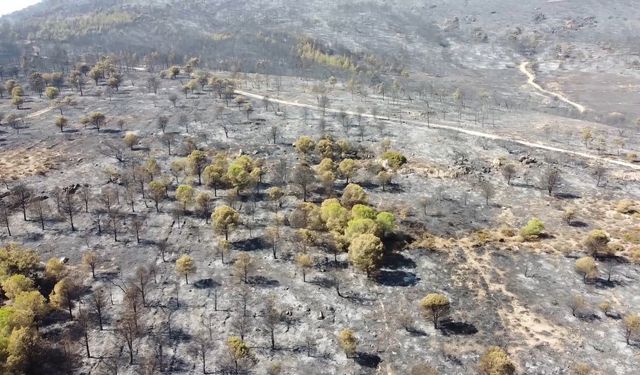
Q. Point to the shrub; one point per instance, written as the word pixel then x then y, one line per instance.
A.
pixel 596 242
pixel 495 361
pixel 586 266
pixel 394 159
pixel 352 195
pixel 361 211
pixel 533 229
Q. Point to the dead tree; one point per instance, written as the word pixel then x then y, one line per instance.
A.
pixel 98 303
pixel 129 332
pixel 21 196
pixel 69 207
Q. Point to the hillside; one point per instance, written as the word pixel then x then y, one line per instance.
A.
pixel 322 187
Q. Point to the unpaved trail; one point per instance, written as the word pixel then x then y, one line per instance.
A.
pixel 531 80
pixel 38 113
pixel 432 125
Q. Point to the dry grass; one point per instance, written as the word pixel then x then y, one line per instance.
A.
pixel 22 162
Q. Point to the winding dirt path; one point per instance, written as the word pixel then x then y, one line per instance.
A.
pixel 474 133
pixel 531 80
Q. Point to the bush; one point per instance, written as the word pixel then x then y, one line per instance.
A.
pixel 352 195
pixel 394 159
pixel 586 266
pixel 596 242
pixel 495 361
pixel 361 211
pixel 533 229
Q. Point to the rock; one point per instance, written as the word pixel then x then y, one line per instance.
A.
pixel 320 316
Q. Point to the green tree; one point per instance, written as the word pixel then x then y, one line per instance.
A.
pixel 62 295
pixel 16 284
pixel 54 269
pixel 224 219
pixel 239 173
pixel 386 222
pixel 157 192
pixel 348 168
pixel 197 161
pixel 184 195
pixel 304 145
pixel 21 347
pixel 435 306
pixel 356 227
pixel 215 174
pixel 238 349
pixel 52 93
pixel 185 266
pixel 352 195
pixel 32 306
pixel 366 252
pixel 334 215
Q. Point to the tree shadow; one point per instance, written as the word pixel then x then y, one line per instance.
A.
pixel 323 282
pixel 263 281
pixel 578 224
pixel 567 196
pixel 416 332
pixel 397 260
pixel 367 360
pixel 396 278
pixel 251 244
pixel 450 327
pixel 601 283
pixel 590 317
pixel 206 284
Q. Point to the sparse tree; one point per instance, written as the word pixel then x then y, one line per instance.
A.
pixel 69 206
pixel 305 262
pixel 303 176
pixel 185 266
pixel 98 303
pixel 508 172
pixel 238 350
pixel 21 195
pixel 550 179
pixel 271 318
pixel 244 265
pixel 90 260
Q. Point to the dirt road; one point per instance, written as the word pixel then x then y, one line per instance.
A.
pixel 531 80
pixel 455 129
